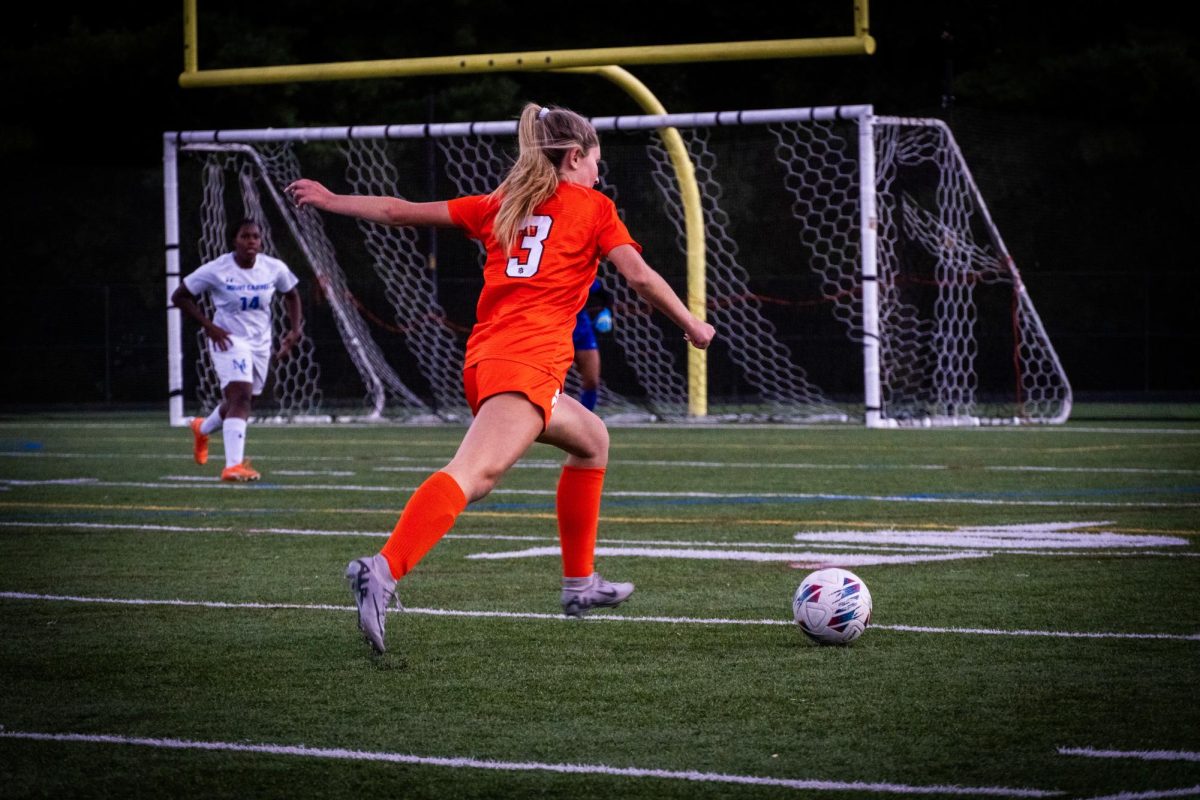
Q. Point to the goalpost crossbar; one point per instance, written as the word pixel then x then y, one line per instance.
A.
pixel 509 127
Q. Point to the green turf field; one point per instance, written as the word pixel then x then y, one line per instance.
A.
pixel 1036 628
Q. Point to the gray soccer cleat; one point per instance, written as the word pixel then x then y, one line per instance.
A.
pixel 374 588
pixel 596 593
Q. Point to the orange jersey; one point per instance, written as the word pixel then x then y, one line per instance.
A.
pixel 530 297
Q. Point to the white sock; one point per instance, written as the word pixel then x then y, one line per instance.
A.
pixel 234 432
pixel 212 422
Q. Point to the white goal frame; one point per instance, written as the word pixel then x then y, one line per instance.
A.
pixel 963 249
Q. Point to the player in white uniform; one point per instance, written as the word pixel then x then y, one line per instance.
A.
pixel 241 285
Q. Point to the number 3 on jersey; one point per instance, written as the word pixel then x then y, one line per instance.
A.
pixel 533 233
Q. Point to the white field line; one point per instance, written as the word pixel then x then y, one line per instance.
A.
pixel 861 557
pixel 611 518
pixel 950 543
pixel 462 762
pixel 1153 794
pixel 191 482
pixel 841 559
pixel 1185 637
pixel 993 539
pixel 1141 755
pixel 827 467
pixel 1106 553
pixel 26 427
pixel 117 526
pixel 109 526
pixel 638 462
pixel 861 554
pixel 417 464
pixel 595 618
pixel 1097 470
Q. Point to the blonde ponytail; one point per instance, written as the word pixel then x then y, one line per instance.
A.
pixel 545 136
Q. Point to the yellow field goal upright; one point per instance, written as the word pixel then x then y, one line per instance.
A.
pixel 605 62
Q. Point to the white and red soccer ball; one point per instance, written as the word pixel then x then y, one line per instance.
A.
pixel 832 606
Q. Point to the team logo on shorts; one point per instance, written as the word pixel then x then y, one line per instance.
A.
pixel 241 365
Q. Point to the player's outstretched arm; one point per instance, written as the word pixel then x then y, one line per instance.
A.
pixel 384 210
pixel 651 287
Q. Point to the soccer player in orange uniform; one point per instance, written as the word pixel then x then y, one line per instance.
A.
pixel 545 230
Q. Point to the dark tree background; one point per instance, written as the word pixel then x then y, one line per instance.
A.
pixel 1074 115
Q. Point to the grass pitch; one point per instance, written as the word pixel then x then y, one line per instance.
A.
pixel 1036 628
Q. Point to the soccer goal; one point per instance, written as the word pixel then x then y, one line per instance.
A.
pixel 853 271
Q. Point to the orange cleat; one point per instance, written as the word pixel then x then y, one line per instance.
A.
pixel 240 473
pixel 199 442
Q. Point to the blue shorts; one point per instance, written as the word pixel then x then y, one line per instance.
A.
pixel 584 337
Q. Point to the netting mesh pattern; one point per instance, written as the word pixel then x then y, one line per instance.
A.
pixel 409 284
pixel 388 309
pixel 295 385
pixel 959 339
pixel 766 363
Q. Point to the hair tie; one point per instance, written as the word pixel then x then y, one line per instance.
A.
pixel 543 112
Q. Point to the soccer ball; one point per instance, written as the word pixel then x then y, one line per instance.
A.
pixel 832 606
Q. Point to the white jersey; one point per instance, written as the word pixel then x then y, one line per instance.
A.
pixel 243 296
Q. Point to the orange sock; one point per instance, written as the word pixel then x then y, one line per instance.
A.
pixel 578 505
pixel 430 512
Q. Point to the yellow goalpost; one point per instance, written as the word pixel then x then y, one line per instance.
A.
pixel 606 62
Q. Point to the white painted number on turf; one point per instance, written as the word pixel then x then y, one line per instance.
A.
pixel 533 233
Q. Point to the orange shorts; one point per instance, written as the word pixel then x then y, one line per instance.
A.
pixel 495 376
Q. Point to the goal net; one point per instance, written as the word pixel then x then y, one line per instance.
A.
pixel 852 271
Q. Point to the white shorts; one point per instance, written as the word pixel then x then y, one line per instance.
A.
pixel 241 363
